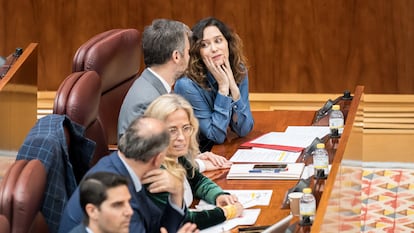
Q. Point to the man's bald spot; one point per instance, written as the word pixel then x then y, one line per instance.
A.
pixel 150 126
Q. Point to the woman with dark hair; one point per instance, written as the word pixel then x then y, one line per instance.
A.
pixel 216 83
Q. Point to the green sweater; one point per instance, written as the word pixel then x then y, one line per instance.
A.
pixel 203 188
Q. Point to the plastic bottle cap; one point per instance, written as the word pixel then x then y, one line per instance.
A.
pixel 307 190
pixel 335 107
pixel 320 146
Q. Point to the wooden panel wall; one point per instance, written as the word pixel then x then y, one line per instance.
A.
pixel 301 46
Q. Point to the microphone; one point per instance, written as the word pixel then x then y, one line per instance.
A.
pixel 2 60
pixel 6 68
pixel 18 52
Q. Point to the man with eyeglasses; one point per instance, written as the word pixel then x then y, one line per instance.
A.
pixel 178 115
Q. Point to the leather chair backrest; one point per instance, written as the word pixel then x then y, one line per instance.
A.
pixel 7 187
pixel 4 224
pixel 22 192
pixel 78 97
pixel 115 55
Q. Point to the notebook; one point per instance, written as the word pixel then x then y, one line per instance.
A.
pixel 293 171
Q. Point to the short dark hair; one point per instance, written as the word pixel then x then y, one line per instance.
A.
pixel 161 38
pixel 93 188
pixel 142 146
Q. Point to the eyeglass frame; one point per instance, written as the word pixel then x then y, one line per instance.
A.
pixel 186 130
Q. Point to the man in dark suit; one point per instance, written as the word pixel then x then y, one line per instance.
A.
pixel 104 198
pixel 142 148
pixel 166 47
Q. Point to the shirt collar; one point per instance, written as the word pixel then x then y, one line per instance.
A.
pixel 134 178
pixel 164 83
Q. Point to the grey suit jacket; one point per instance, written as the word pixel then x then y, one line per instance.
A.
pixel 142 92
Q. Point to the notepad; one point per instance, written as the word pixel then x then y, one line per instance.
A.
pixel 244 171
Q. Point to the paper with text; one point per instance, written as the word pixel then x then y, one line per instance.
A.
pixel 247 172
pixel 248 198
pixel 248 217
pixel 261 155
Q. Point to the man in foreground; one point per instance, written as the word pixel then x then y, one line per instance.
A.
pixel 104 198
pixel 142 148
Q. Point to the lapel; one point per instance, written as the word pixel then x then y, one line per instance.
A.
pixel 154 81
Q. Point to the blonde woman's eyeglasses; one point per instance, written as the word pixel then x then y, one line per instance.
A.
pixel 186 130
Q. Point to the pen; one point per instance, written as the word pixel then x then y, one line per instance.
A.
pixel 265 170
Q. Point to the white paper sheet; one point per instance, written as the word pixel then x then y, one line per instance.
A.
pixel 244 171
pixel 248 198
pixel 248 217
pixel 261 155
pixel 285 139
pixel 315 131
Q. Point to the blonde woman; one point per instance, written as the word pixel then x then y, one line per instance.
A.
pixel 177 113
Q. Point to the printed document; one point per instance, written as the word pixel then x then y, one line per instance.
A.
pixel 293 171
pixel 248 217
pixel 248 198
pixel 262 155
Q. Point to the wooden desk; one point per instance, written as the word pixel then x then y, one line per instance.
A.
pixel 18 101
pixel 268 121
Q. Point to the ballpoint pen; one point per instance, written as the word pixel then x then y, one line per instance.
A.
pixel 277 170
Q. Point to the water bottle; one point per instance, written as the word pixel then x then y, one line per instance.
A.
pixel 307 207
pixel 336 121
pixel 320 161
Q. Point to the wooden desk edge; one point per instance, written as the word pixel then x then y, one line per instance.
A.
pixel 27 53
pixel 323 204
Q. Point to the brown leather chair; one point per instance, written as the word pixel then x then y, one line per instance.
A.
pixel 115 55
pixel 21 196
pixel 78 97
pixel 4 224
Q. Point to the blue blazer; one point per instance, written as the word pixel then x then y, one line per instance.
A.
pixel 79 229
pixel 147 216
pixel 46 142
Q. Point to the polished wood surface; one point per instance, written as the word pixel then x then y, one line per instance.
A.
pixel 270 121
pixel 296 46
pixel 344 175
pixel 18 101
pixel 265 121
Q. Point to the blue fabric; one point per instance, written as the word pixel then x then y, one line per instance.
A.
pixel 216 112
pixel 147 217
pixel 79 229
pixel 46 141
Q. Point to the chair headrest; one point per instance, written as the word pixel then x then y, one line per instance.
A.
pixel 70 98
pixel 114 53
